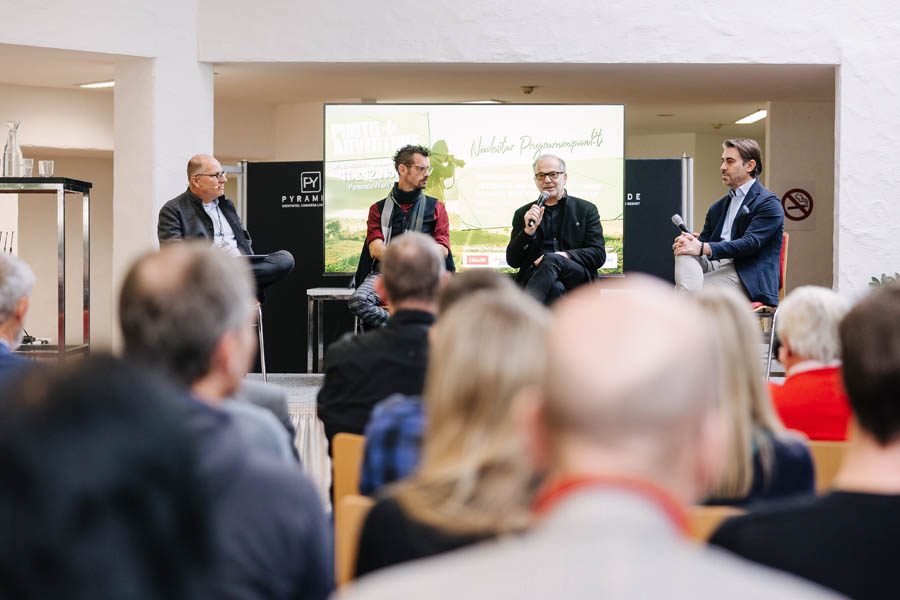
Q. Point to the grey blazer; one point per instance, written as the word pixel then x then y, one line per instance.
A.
pixel 597 543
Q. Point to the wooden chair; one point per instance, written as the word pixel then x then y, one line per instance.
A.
pixel 349 515
pixel 827 458
pixel 346 460
pixel 770 313
pixel 704 520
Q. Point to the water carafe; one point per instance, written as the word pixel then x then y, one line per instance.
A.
pixel 12 153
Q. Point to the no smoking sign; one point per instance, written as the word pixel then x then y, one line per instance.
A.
pixel 797 204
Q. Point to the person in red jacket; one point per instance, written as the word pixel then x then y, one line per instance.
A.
pixel 812 398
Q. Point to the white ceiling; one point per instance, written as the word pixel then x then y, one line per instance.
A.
pixel 700 98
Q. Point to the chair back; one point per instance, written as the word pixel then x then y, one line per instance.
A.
pixel 346 459
pixel 704 520
pixel 782 264
pixel 827 458
pixel 349 515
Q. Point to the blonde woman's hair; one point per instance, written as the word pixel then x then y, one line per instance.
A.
pixel 744 398
pixel 474 477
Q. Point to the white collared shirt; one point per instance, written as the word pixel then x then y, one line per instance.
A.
pixel 812 365
pixel 737 199
pixel 223 235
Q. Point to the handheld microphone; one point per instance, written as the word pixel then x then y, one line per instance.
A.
pixel 678 222
pixel 540 202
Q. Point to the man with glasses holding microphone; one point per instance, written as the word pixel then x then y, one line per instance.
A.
pixel 405 208
pixel 557 242
pixel 203 212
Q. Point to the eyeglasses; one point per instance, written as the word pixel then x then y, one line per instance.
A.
pixel 219 175
pixel 554 175
pixel 427 170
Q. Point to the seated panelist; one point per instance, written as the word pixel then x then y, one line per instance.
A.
pixel 203 212
pixel 559 245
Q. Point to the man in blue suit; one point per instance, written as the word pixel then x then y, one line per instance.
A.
pixel 16 281
pixel 740 245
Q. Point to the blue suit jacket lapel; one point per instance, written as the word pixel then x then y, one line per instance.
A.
pixel 748 200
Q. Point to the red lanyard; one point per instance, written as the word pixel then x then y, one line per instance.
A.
pixel 566 486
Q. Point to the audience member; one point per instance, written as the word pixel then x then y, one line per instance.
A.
pixel 763 461
pixel 847 539
pixel 184 312
pixel 187 312
pixel 394 432
pixel 99 491
pixel 473 481
pixel 812 398
pixel 16 281
pixel 627 431
pixel 364 369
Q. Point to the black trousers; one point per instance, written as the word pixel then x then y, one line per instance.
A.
pixel 554 277
pixel 270 268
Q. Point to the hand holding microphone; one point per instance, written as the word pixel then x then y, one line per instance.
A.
pixel 530 223
pixel 678 222
pixel 680 246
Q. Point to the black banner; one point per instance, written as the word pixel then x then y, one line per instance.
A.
pixel 652 196
pixel 284 212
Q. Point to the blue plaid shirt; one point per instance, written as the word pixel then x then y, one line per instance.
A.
pixel 393 440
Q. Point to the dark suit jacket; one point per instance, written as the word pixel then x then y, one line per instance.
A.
pixel 362 370
pixel 581 236
pixel 755 242
pixel 183 218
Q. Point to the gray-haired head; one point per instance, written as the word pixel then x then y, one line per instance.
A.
pixel 562 163
pixel 178 303
pixel 808 321
pixel 16 282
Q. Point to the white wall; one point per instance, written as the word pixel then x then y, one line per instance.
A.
pixel 244 130
pixel 299 131
pixel 126 27
pixel 666 145
pixel 57 118
pixel 617 31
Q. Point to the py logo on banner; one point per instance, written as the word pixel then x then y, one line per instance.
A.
pixel 310 182
pixel 310 191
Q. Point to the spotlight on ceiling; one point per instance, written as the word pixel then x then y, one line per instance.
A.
pixel 97 85
pixel 753 118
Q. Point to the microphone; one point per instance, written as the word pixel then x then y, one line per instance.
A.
pixel 540 202
pixel 678 222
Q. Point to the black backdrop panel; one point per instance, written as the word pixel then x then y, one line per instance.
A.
pixel 652 196
pixel 284 212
